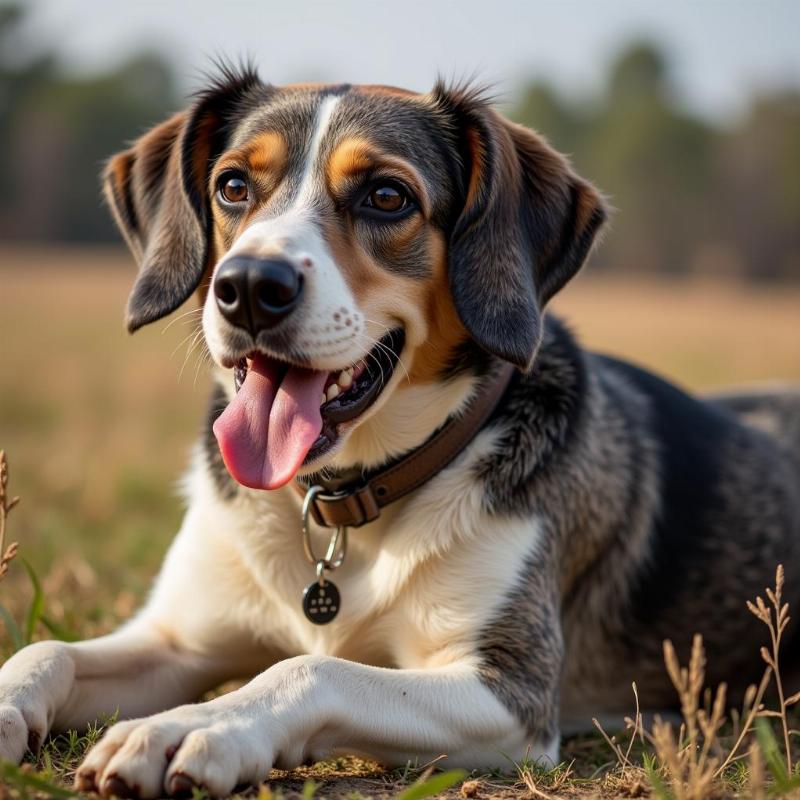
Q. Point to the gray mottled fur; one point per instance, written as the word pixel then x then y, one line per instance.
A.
pixel 585 452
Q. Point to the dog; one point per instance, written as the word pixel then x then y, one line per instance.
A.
pixel 373 267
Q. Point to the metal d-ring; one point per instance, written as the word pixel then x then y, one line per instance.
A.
pixel 337 546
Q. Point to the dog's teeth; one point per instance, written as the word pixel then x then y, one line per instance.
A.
pixel 345 379
pixel 323 400
pixel 333 391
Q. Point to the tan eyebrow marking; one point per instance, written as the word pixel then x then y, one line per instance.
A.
pixel 265 157
pixel 351 157
pixel 267 152
pixel 355 156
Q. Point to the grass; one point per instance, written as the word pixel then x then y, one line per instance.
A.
pixel 98 427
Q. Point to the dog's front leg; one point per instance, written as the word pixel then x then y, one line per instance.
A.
pixel 304 708
pixel 57 685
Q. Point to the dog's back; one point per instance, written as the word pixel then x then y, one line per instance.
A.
pixel 775 411
pixel 727 468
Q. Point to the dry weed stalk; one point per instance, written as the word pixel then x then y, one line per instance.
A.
pixel 693 759
pixel 6 504
pixel 688 758
pixel 528 778
pixel 756 777
pixel 635 726
pixel 533 790
pixel 752 706
pixel 776 618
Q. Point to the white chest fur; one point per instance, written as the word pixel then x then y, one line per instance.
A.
pixel 417 586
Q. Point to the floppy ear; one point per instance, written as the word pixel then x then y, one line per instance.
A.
pixel 159 199
pixel 526 227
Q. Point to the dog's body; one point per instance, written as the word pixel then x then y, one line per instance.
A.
pixel 520 590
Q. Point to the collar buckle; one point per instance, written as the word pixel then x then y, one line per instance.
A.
pixel 351 507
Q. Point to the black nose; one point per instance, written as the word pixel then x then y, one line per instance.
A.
pixel 256 293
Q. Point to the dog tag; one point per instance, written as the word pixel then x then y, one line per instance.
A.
pixel 321 602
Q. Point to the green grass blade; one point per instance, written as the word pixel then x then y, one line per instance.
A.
pixel 772 754
pixel 660 789
pixel 36 608
pixel 433 786
pixel 17 642
pixel 310 789
pixel 57 631
pixel 13 776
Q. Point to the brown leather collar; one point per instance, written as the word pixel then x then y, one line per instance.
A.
pixel 354 500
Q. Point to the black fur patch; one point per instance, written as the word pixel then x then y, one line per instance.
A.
pixel 227 487
pixel 541 418
pixel 729 514
pixel 468 358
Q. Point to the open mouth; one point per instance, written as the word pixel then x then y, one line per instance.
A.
pixel 284 416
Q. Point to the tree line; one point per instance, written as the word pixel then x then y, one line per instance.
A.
pixel 691 195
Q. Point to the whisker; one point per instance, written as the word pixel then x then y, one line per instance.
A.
pixel 198 362
pixel 383 378
pixel 370 342
pixel 384 328
pixel 204 358
pixel 180 317
pixel 190 349
pixel 185 339
pixel 197 339
pixel 385 347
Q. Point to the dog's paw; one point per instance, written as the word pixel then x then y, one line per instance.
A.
pixel 13 734
pixel 22 727
pixel 176 751
pixel 34 682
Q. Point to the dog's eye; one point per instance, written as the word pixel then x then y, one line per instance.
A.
pixel 387 197
pixel 233 188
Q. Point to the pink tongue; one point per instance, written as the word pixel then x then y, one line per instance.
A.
pixel 266 431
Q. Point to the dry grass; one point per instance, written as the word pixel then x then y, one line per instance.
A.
pixel 98 426
pixel 6 504
pixel 700 759
pixel 703 334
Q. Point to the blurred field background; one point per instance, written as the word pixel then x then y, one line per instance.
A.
pixel 698 277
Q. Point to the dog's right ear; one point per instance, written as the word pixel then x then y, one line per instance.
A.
pixel 158 195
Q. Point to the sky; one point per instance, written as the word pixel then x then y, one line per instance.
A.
pixel 721 50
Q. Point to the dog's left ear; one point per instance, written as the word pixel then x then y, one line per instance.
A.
pixel 526 227
pixel 158 194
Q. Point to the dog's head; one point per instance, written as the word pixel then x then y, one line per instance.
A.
pixel 345 241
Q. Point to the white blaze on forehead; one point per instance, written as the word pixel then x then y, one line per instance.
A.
pixel 295 234
pixel 294 229
pixel 308 178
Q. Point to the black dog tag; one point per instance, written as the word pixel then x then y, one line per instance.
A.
pixel 321 602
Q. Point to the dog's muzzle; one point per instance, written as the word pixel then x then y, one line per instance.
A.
pixel 255 293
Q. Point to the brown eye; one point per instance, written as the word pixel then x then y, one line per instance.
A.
pixel 233 189
pixel 388 198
